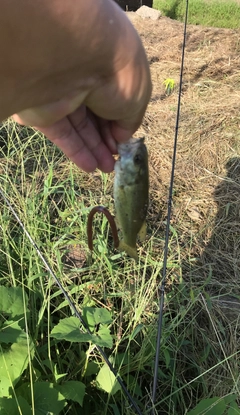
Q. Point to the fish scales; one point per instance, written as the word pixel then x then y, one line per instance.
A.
pixel 131 185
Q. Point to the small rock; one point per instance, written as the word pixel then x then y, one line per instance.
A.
pixel 147 12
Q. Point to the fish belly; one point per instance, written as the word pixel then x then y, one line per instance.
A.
pixel 131 207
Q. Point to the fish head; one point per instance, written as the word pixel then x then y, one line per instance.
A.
pixel 133 160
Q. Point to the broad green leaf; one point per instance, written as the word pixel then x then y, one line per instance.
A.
pixel 72 390
pixel 92 369
pixel 12 364
pixel 47 399
pixel 10 332
pixel 230 398
pixel 69 329
pixel 107 381
pixel 94 316
pixel 211 406
pixel 9 406
pixel 11 301
pixel 233 409
pixel 103 338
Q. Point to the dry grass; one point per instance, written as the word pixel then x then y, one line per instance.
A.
pixel 206 202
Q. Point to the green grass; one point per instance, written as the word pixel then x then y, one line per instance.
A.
pixel 211 13
pixel 55 370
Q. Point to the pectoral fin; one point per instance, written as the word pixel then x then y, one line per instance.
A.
pixel 143 232
pixel 132 252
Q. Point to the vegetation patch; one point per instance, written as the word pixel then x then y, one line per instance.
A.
pixel 213 13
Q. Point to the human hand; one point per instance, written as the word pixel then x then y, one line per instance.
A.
pixel 103 90
pixel 85 138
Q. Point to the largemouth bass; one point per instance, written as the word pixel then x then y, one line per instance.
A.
pixel 131 193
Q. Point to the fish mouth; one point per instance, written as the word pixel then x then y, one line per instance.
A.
pixel 130 145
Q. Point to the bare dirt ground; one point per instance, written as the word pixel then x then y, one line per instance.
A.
pixel 206 203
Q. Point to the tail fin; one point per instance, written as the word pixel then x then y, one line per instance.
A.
pixel 143 232
pixel 132 252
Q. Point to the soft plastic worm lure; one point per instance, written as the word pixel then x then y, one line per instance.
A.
pixel 111 222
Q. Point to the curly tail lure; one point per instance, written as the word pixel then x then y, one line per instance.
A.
pixel 111 221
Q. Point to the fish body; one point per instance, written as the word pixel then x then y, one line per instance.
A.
pixel 131 185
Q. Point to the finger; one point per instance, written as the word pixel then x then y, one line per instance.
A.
pixel 86 125
pixel 105 128
pixel 120 133
pixel 131 91
pixel 78 138
pixel 48 114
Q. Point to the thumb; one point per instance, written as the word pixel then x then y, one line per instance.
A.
pixel 121 134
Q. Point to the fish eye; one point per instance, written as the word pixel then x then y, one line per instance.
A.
pixel 137 159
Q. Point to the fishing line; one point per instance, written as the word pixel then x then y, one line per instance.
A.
pixel 161 288
pixel 72 305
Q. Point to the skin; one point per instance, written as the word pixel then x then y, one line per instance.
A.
pixel 77 71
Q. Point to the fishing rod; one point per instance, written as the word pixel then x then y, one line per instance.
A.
pixel 161 287
pixel 72 305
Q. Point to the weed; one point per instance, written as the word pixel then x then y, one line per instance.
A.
pixel 169 84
